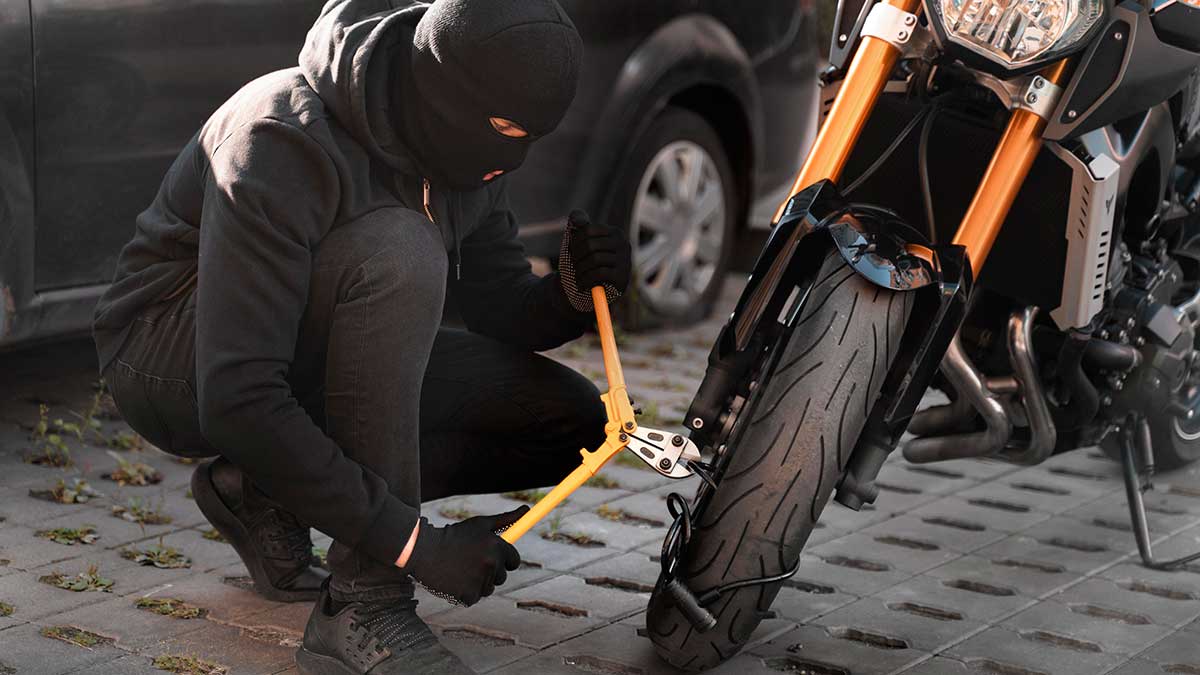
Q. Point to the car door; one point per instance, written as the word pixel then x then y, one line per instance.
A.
pixel 16 162
pixel 121 87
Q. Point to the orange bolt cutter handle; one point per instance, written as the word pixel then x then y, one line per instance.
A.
pixel 620 424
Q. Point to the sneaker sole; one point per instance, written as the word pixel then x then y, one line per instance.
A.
pixel 315 664
pixel 234 532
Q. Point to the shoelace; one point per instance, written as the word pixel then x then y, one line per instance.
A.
pixel 285 528
pixel 392 624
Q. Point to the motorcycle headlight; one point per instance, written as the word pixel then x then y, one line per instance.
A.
pixel 1016 33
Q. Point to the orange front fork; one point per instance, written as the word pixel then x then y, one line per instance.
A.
pixel 873 64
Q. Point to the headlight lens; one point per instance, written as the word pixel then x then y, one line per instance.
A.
pixel 1016 32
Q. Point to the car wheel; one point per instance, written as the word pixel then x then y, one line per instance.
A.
pixel 680 206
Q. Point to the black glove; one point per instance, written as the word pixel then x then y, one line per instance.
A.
pixel 592 255
pixel 465 561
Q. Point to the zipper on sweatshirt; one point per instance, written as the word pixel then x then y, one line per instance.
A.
pixel 425 191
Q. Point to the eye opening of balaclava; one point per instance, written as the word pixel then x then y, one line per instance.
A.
pixel 484 70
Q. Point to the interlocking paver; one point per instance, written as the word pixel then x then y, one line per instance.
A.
pixel 1110 629
pixel 979 513
pixel 923 626
pixel 950 535
pixel 1021 576
pixel 635 570
pixel 850 650
pixel 24 648
pixel 536 627
pixel 801 600
pixel 230 646
pixel 1178 653
pixel 1067 553
pixel 928 591
pixel 852 580
pixel 939 665
pixel 898 553
pixel 599 602
pixel 998 648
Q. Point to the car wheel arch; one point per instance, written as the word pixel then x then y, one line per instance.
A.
pixel 692 61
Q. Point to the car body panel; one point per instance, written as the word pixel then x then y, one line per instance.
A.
pixel 121 85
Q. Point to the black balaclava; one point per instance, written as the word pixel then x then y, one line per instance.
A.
pixel 477 64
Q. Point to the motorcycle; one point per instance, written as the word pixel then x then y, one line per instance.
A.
pixel 1061 133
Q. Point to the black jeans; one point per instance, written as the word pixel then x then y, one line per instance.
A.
pixel 489 417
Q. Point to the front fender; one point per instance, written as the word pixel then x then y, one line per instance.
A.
pixel 881 248
pixel 688 51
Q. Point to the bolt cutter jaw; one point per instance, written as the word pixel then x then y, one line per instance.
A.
pixel 665 452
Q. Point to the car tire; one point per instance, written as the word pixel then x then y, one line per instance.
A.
pixel 682 242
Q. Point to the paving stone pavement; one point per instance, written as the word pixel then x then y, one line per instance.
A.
pixel 963 567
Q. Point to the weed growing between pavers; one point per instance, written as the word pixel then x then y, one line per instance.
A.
pixel 82 582
pixel 6 609
pixel 137 511
pixel 554 532
pixel 75 636
pixel 662 349
pixel 132 473
pixel 187 665
pixel 170 607
pixel 458 512
pixel 212 535
pixel 70 536
pixel 160 555
pixel 618 516
pixel 76 492
pixel 322 556
pixel 7 670
pixel 603 482
pixel 49 446
pixel 527 496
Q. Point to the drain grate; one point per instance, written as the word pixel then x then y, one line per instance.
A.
pixel 914 544
pixel 1075 545
pixel 955 523
pixel 619 584
pixel 857 563
pixel 551 608
pixel 934 471
pixel 1000 505
pixel 1061 641
pixel 1117 615
pixel 979 587
pixel 1047 568
pixel 1158 591
pixel 875 640
pixel 1042 489
pixel 925 611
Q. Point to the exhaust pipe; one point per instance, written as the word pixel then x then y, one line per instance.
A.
pixel 971 387
pixel 1042 434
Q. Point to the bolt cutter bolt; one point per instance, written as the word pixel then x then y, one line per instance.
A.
pixel 623 437
pixel 629 426
pixel 677 440
pixel 665 464
pixel 697 423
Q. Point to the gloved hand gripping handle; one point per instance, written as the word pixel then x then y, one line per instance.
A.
pixel 621 424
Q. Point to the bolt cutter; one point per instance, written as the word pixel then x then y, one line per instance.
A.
pixel 667 453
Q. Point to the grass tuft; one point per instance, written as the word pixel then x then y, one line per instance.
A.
pixel 161 556
pixel 142 513
pixel 527 496
pixel 603 482
pixel 75 636
pixel 132 473
pixel 6 609
pixel 170 607
pixel 76 492
pixel 458 512
pixel 89 581
pixel 70 536
pixel 212 535
pixel 187 665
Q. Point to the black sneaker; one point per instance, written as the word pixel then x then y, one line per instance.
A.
pixel 373 638
pixel 274 546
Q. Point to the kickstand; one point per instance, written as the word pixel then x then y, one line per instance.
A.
pixel 1136 445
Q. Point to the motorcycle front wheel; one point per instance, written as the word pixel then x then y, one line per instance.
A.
pixel 794 439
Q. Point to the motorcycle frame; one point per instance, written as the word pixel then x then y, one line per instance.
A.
pixel 877 245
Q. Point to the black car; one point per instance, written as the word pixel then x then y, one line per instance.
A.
pixel 690 120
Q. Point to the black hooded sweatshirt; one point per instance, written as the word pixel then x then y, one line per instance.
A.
pixel 238 217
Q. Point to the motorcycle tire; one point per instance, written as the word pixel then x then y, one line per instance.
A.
pixel 800 427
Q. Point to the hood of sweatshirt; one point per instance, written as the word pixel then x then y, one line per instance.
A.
pixel 350 59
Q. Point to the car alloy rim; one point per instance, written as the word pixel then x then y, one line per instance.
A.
pixel 678 226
